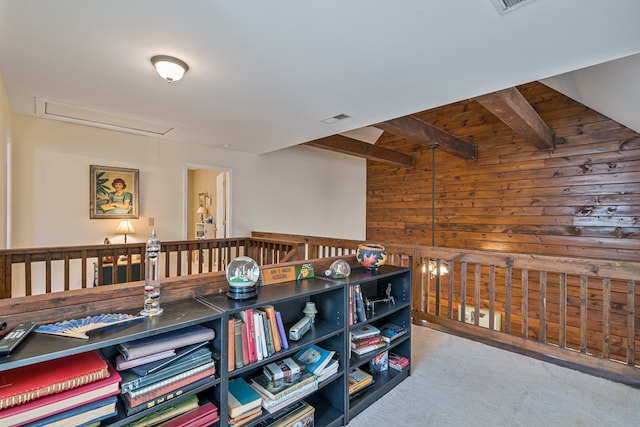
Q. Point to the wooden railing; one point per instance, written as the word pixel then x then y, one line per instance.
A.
pixel 25 272
pixel 579 312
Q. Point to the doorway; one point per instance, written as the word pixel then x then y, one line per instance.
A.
pixel 208 207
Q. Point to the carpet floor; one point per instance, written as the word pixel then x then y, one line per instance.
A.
pixel 460 382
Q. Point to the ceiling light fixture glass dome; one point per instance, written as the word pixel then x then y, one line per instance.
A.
pixel 169 68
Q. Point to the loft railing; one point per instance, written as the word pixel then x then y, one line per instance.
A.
pixel 25 272
pixel 580 312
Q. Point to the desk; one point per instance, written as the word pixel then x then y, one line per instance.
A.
pixel 107 272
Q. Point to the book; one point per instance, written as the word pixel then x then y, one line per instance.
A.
pixel 242 397
pixel 268 334
pixel 379 362
pixel 244 335
pixel 359 303
pixel 237 342
pixel 301 415
pixel 363 342
pixel 132 379
pixel 27 383
pixel 231 361
pixel 315 358
pixel 162 386
pixel 270 311
pixel 181 388
pixel 281 332
pixel 368 348
pixel 259 331
pixel 205 415
pixel 285 369
pixel 358 379
pixel 273 406
pixel 364 331
pixel 81 415
pixel 245 417
pixel 391 331
pixel 180 407
pixel 331 369
pixel 122 363
pixel 180 353
pixel 397 361
pixel 166 341
pixel 275 390
pixel 247 316
pixel 65 400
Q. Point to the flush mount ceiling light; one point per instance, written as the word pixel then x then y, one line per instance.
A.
pixel 169 68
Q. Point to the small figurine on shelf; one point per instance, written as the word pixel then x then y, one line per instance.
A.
pixel 152 277
pixel 303 325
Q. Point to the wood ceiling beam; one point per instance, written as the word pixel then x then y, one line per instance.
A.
pixel 354 147
pixel 513 109
pixel 416 130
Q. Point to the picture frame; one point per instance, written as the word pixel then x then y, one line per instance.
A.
pixel 114 192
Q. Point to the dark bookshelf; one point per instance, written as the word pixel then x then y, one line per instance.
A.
pixel 331 328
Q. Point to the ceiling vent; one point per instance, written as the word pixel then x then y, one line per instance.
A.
pixel 504 6
pixel 86 116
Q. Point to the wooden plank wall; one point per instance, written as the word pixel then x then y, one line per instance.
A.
pixel 581 199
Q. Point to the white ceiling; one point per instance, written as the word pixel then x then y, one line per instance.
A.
pixel 264 74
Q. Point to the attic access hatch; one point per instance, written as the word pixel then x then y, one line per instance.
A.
pixel 504 6
pixel 87 116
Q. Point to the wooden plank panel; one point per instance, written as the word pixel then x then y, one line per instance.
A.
pixel 606 317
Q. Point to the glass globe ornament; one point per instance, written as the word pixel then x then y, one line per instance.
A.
pixel 242 275
pixel 339 269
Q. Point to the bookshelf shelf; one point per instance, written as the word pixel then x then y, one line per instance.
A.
pixel 331 331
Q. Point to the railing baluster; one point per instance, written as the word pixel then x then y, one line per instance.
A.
pixel 562 338
pixel 631 323
pixel 450 289
pixel 584 300
pixel 476 297
pixel 463 290
pixel 492 296
pixel 524 278
pixel 606 317
pixel 542 328
pixel 507 298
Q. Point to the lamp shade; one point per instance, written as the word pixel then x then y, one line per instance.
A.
pixel 201 210
pixel 169 68
pixel 125 227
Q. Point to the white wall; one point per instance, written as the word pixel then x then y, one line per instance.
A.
pixel 299 190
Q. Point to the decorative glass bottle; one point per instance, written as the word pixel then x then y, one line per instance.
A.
pixel 152 277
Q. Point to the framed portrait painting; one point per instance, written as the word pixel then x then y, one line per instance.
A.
pixel 114 192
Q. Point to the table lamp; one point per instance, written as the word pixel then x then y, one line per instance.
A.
pixel 125 228
pixel 201 211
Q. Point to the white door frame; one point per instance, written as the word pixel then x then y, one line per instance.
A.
pixel 226 197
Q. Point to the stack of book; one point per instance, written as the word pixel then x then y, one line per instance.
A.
pixel 255 334
pixel 359 380
pixel 357 311
pixel 398 362
pixel 391 331
pixel 366 338
pixel 319 361
pixel 191 411
pixel 299 413
pixel 244 403
pixel 190 366
pixel 276 395
pixel 80 389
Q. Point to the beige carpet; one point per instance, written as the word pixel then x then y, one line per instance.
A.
pixel 459 382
